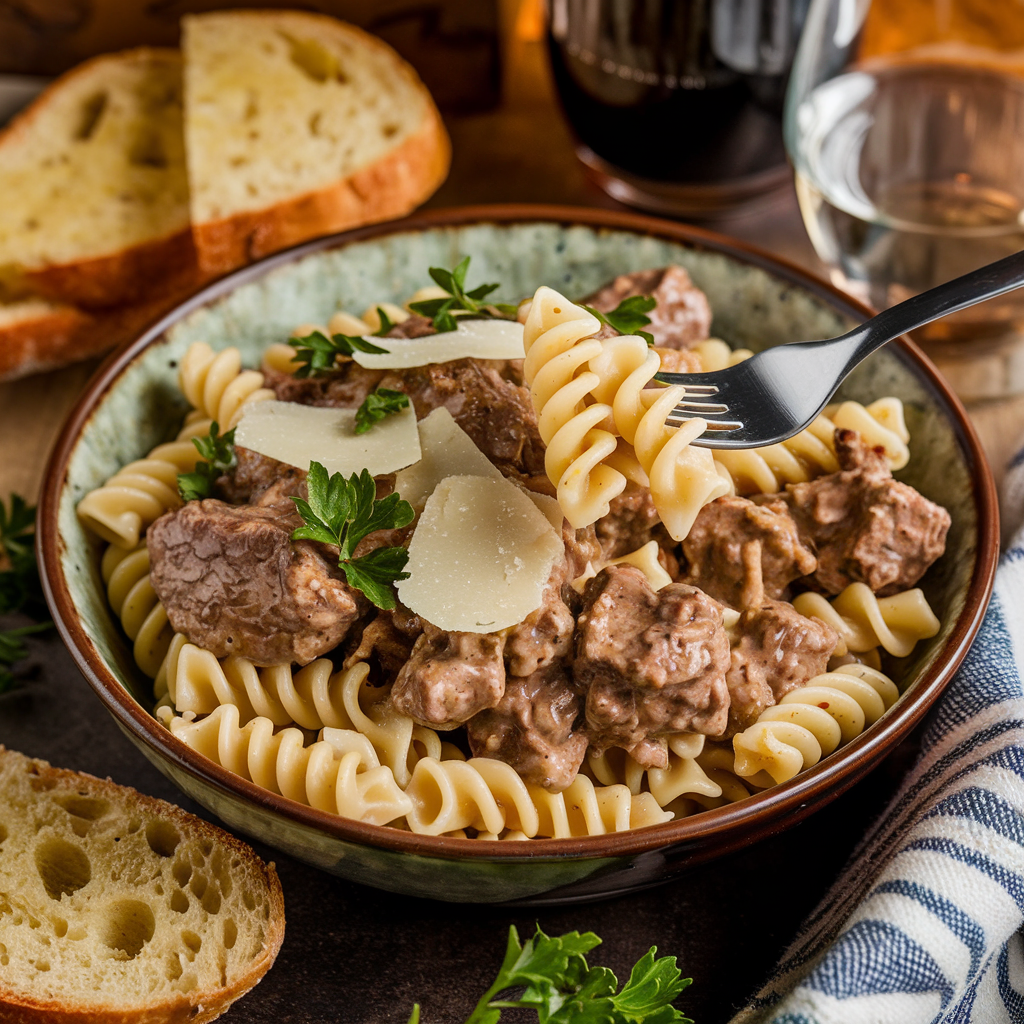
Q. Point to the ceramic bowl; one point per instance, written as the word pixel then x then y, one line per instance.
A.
pixel 134 403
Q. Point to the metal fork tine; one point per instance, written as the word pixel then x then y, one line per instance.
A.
pixel 701 389
pixel 701 408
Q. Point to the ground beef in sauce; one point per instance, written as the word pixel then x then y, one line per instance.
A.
pixel 449 677
pixel 544 637
pixel 779 649
pixel 682 316
pixel 234 582
pixel 650 663
pixel 740 552
pixel 387 641
pixel 534 728
pixel 864 526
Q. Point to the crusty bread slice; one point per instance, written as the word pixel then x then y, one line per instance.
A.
pixel 94 187
pixel 298 125
pixel 116 908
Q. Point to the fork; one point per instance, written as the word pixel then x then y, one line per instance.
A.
pixel 778 392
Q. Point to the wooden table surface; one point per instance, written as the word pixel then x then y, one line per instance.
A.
pixel 353 954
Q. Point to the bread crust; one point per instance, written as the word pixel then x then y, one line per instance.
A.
pixel 124 276
pixel 389 188
pixel 192 1008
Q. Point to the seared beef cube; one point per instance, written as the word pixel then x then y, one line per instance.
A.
pixel 450 677
pixel 388 640
pixel 779 650
pixel 741 553
pixel 497 414
pixel 864 526
pixel 682 316
pixel 532 728
pixel 260 480
pixel 545 635
pixel 651 663
pixel 233 582
pixel 632 521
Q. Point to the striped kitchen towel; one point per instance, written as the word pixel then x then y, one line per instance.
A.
pixel 925 924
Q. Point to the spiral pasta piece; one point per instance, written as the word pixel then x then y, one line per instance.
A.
pixel 217 386
pixel 339 774
pixel 134 602
pixel 645 558
pixel 864 621
pixel 812 721
pixel 312 697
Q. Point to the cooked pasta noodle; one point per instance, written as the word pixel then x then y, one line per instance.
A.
pixel 133 600
pixel 864 621
pixel 311 697
pixel 812 721
pixel 339 773
pixel 217 386
pixel 715 354
pixel 645 558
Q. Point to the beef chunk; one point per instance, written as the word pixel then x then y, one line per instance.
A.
pixel 650 663
pixel 632 521
pixel 415 327
pixel 233 581
pixel 864 526
pixel 388 640
pixel 682 316
pixel 779 650
pixel 533 729
pixel 545 635
pixel 497 414
pixel 450 677
pixel 260 480
pixel 740 553
pixel 343 388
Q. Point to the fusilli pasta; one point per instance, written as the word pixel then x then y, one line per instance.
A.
pixel 339 773
pixel 645 558
pixel 217 386
pixel 864 621
pixel 812 721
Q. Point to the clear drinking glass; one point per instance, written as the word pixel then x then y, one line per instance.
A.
pixel 905 125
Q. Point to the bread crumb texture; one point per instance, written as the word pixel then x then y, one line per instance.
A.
pixel 97 165
pixel 118 906
pixel 285 103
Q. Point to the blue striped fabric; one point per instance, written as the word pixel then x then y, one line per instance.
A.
pixel 925 923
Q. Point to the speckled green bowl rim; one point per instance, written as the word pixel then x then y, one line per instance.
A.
pixel 723 828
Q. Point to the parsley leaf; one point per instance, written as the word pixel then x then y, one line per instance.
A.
pixel 472 301
pixel 217 453
pixel 12 650
pixel 378 404
pixel 557 982
pixel 342 512
pixel 629 316
pixel 20 589
pixel 316 353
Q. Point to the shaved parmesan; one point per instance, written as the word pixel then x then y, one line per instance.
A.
pixel 301 434
pixel 550 507
pixel 480 557
pixel 447 451
pixel 479 339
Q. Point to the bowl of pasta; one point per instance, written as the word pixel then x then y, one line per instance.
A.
pixel 382 550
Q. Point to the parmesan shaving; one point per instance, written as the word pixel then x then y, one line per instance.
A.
pixel 480 557
pixel 301 434
pixel 479 339
pixel 447 451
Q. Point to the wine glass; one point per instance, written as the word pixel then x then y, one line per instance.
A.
pixel 904 122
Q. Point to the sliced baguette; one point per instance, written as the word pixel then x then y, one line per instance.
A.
pixel 298 125
pixel 95 192
pixel 116 908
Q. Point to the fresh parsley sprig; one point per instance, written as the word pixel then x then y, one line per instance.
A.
pixel 316 353
pixel 629 316
pixel 217 452
pixel 557 982
pixel 454 283
pixel 13 650
pixel 378 404
pixel 342 512
pixel 20 589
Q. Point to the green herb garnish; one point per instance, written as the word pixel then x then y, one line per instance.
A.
pixel 342 512
pixel 316 353
pixel 629 316
pixel 19 581
pixel 454 283
pixel 378 404
pixel 558 983
pixel 13 650
pixel 217 453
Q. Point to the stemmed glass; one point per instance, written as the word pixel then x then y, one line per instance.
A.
pixel 904 122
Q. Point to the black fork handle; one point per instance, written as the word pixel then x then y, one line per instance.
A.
pixel 984 283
